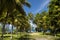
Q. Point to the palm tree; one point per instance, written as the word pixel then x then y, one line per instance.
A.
pixel 54 12
pixel 30 16
pixel 7 7
pixel 38 21
pixel 10 5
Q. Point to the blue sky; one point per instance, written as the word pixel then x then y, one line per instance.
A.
pixel 37 6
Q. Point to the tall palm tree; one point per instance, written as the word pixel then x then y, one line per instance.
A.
pixel 54 12
pixel 7 7
pixel 10 5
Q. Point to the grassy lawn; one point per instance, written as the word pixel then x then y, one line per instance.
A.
pixel 30 36
pixel 15 36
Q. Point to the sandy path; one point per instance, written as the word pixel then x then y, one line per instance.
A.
pixel 41 38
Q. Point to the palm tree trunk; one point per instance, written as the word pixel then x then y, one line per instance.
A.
pixel 3 31
pixel 12 33
pixel 17 31
pixel 43 32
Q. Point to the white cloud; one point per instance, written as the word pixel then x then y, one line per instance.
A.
pixel 42 6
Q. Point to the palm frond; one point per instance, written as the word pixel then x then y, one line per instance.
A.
pixel 27 4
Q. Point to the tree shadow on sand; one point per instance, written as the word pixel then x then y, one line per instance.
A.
pixel 25 37
pixel 57 39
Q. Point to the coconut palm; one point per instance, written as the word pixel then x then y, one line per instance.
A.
pixel 7 7
pixel 54 12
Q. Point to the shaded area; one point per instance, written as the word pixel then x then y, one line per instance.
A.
pixel 25 37
pixel 31 36
pixel 57 39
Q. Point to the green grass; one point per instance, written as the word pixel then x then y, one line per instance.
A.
pixel 31 36
pixel 15 36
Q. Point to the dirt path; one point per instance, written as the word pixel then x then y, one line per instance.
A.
pixel 41 37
